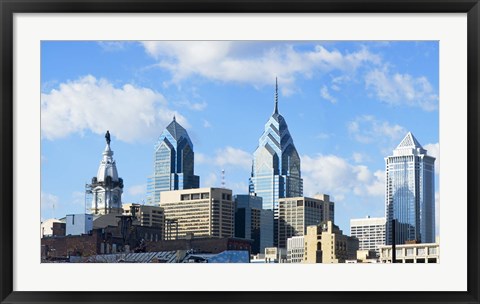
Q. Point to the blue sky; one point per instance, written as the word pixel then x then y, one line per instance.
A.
pixel 347 105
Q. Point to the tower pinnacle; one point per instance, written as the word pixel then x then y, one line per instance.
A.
pixel 276 96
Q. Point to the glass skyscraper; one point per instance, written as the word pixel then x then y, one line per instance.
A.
pixel 276 165
pixel 173 163
pixel 410 193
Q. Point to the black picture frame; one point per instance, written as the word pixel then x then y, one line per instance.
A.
pixel 10 7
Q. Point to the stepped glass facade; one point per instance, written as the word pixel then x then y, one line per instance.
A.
pixel 173 163
pixel 410 193
pixel 276 166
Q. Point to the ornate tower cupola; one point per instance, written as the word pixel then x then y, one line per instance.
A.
pixel 107 187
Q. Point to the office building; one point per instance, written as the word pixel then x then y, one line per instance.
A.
pixel 146 215
pixel 253 222
pixel 203 212
pixel 106 188
pixel 326 243
pixel 295 249
pixel 410 193
pixel 276 165
pixel 173 163
pixel 296 213
pixel 370 232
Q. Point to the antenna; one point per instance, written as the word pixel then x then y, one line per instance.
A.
pixel 223 178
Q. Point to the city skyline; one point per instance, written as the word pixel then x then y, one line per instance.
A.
pixel 345 112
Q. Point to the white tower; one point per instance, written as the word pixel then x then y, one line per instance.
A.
pixel 107 187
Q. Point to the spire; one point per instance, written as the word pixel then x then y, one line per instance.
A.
pixel 174 117
pixel 275 111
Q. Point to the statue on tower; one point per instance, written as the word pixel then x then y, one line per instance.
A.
pixel 107 137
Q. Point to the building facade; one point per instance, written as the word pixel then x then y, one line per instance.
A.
pixel 295 249
pixel 370 232
pixel 203 212
pixel 410 193
pixel 78 224
pixel 173 163
pixel 296 213
pixel 276 165
pixel 411 253
pixel 326 243
pixel 106 188
pixel 253 222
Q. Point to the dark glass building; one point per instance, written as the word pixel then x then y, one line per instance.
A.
pixel 173 163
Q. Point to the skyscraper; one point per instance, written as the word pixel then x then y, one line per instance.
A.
pixel 173 163
pixel 276 165
pixel 410 193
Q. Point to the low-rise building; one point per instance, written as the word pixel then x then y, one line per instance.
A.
pixel 204 245
pixel 411 253
pixel 275 255
pixel 370 232
pixel 46 227
pixel 78 224
pixel 326 243
pixel 295 249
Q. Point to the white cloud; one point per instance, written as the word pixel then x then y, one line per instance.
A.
pixel 398 89
pixel 78 198
pixel 112 46
pixel 434 150
pixel 137 190
pixel 48 204
pixel 230 156
pixel 195 106
pixel 48 201
pixel 130 113
pixel 201 158
pixel 237 187
pixel 326 95
pixel 251 62
pixel 206 124
pixel 323 135
pixel 358 157
pixel 210 180
pixel 368 129
pixel 333 175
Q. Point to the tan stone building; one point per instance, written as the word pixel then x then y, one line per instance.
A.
pixel 147 215
pixel 326 243
pixel 203 212
pixel 296 213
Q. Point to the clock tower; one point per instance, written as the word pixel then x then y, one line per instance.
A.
pixel 107 187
